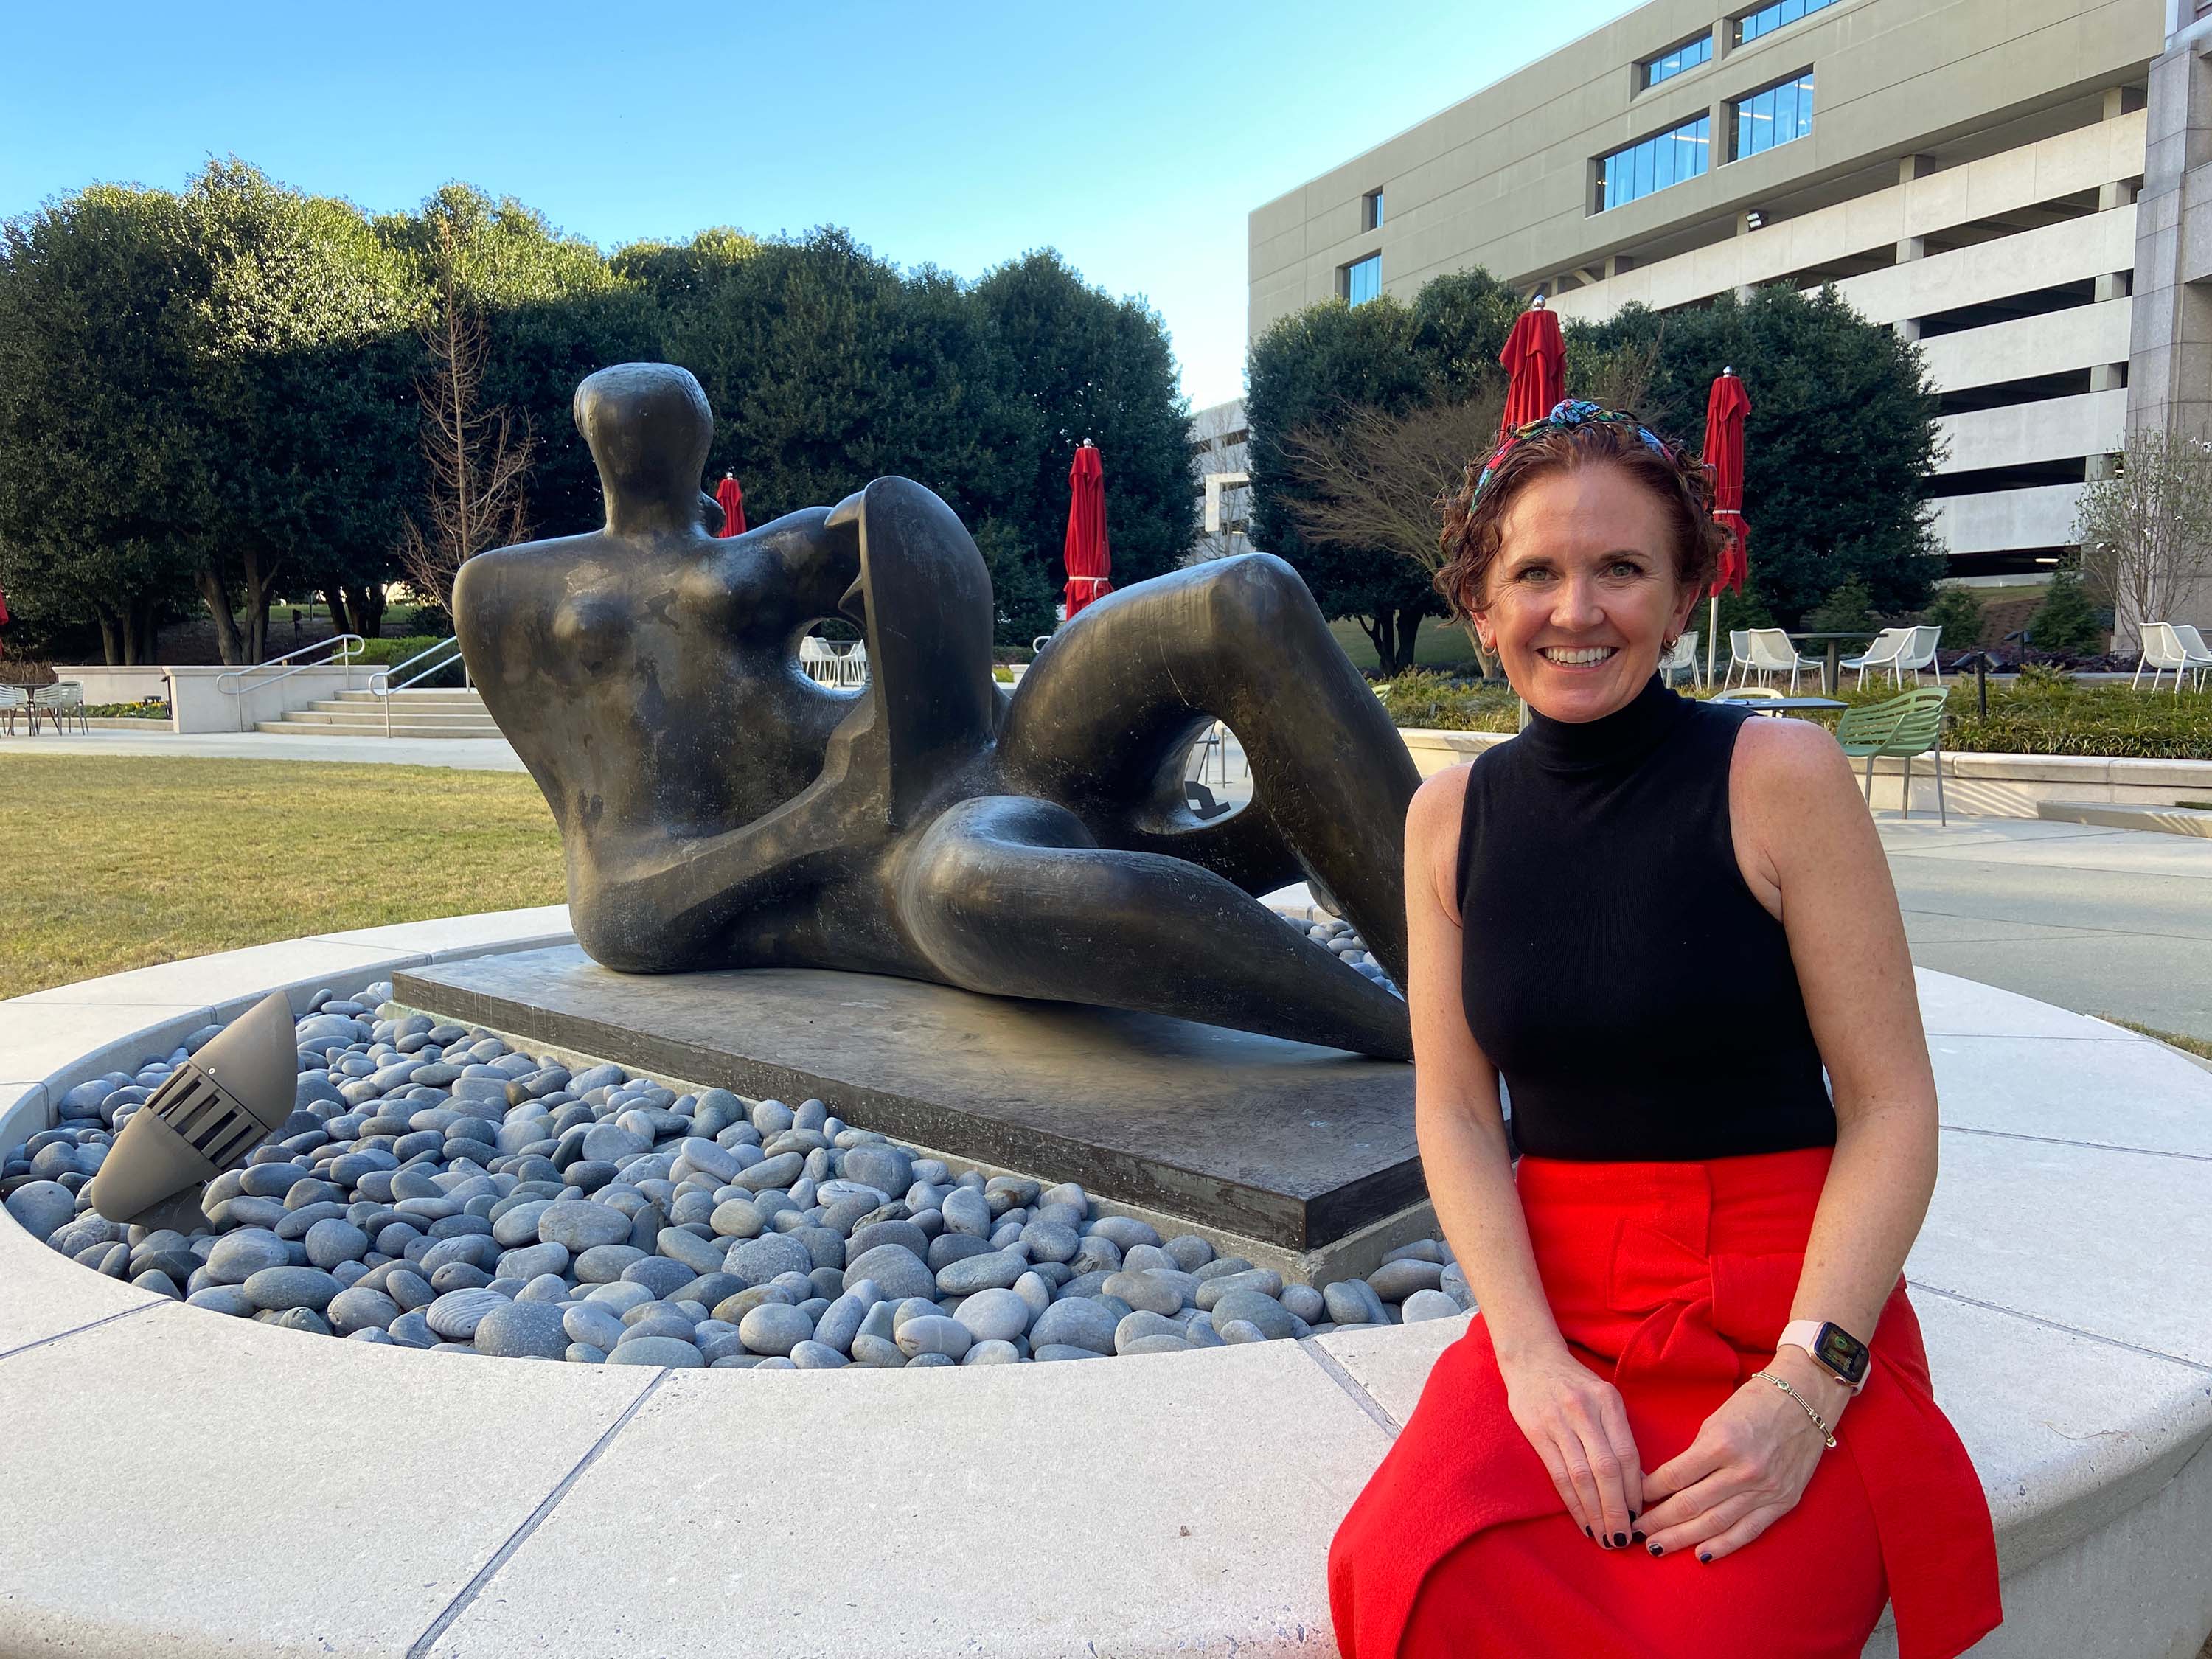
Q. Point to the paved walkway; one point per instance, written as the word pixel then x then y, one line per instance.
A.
pixel 466 754
pixel 2101 922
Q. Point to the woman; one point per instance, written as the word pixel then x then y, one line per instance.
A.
pixel 1657 919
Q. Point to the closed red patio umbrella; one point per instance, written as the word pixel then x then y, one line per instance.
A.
pixel 3 618
pixel 1088 558
pixel 1535 359
pixel 732 500
pixel 1726 405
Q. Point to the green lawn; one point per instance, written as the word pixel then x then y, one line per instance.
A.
pixel 120 862
pixel 1438 645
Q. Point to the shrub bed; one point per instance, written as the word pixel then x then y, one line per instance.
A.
pixel 387 653
pixel 2047 714
pixel 152 708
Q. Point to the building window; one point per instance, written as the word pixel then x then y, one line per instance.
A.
pixel 1370 211
pixel 1767 19
pixel 1679 153
pixel 1361 280
pixel 1668 64
pixel 1775 116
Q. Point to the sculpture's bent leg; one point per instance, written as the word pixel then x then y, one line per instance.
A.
pixel 1104 719
pixel 1009 897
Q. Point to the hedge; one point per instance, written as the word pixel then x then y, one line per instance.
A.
pixel 2053 715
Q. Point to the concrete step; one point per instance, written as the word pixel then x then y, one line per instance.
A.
pixel 459 698
pixel 352 714
pixel 293 727
pixel 2160 820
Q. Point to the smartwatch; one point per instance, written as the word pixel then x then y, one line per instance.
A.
pixel 1834 1347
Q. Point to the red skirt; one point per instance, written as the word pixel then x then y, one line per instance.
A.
pixel 1673 1281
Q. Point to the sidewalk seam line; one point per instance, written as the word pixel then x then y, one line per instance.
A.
pixel 2060 1325
pixel 94 1325
pixel 459 1604
pixel 1334 1369
pixel 2087 1145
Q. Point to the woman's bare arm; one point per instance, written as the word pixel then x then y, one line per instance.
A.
pixel 1573 1418
pixel 1818 853
pixel 1810 854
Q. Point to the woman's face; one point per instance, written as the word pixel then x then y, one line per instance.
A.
pixel 1582 595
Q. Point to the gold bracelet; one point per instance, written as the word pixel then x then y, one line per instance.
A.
pixel 1803 1404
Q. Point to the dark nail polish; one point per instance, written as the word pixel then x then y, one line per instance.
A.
pixel 1631 1517
pixel 1619 1540
pixel 1704 1555
pixel 1636 1538
pixel 1586 1533
pixel 1655 1549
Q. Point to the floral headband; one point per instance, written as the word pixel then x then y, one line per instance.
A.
pixel 1567 414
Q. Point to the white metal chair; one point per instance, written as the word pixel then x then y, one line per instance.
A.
pixel 852 666
pixel 1888 646
pixel 1773 653
pixel 2165 652
pixel 2197 654
pixel 1682 660
pixel 14 701
pixel 817 661
pixel 1920 653
pixel 60 704
pixel 1738 656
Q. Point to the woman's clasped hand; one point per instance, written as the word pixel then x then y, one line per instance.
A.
pixel 1578 1425
pixel 1749 1464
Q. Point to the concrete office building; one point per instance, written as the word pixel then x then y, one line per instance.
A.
pixel 2007 181
pixel 1221 480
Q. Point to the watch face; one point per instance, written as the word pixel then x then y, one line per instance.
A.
pixel 1841 1353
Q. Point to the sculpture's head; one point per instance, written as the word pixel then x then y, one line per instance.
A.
pixel 649 427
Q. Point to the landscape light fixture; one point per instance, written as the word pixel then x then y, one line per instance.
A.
pixel 208 1113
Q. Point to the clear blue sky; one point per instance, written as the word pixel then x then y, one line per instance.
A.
pixel 1135 141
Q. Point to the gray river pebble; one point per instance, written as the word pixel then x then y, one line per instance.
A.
pixel 436 1190
pixel 516 1330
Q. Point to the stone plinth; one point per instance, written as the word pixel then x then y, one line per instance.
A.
pixel 1281 1142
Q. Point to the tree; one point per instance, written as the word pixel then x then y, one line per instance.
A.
pixel 2067 621
pixel 2145 528
pixel 303 429
pixel 1081 364
pixel 1332 367
pixel 1378 481
pixel 97 420
pixel 1847 606
pixel 476 456
pixel 826 368
pixel 1022 598
pixel 1840 439
pixel 1959 614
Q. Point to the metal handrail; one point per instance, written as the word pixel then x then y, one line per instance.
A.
pixel 347 644
pixel 380 685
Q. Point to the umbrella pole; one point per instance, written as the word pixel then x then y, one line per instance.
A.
pixel 1712 637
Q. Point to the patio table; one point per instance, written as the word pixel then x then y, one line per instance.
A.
pixel 1782 705
pixel 1835 638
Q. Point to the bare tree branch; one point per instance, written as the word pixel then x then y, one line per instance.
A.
pixel 478 460
pixel 2146 531
pixel 1379 482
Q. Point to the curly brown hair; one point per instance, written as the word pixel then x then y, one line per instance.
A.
pixel 1474 524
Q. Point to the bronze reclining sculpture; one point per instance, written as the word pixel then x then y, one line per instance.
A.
pixel 719 809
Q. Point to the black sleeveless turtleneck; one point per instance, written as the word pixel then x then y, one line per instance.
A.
pixel 1639 1002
